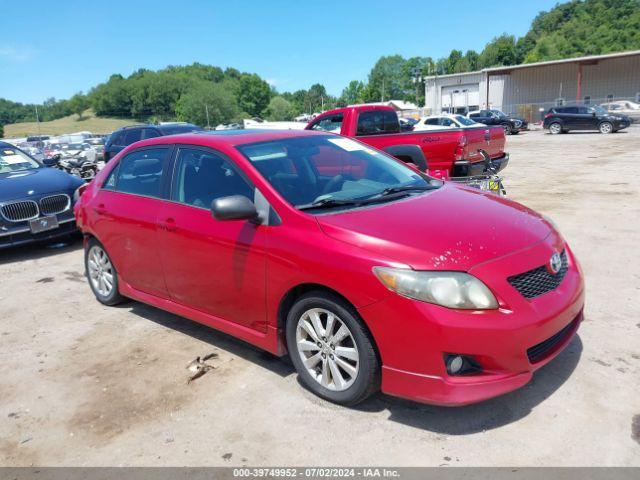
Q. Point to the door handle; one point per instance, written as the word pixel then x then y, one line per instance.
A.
pixel 100 210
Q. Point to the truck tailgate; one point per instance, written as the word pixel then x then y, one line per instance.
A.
pixel 489 139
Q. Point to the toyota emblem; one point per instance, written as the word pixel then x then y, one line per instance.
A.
pixel 555 263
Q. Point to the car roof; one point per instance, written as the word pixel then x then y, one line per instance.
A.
pixel 216 138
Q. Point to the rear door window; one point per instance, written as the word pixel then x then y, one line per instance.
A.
pixel 132 136
pixel 149 133
pixel 141 172
pixel 378 122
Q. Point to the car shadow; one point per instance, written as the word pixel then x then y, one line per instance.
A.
pixel 35 251
pixel 215 338
pixel 486 415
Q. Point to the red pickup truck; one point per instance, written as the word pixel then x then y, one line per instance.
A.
pixel 450 152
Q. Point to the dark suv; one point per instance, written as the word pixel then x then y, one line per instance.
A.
pixel 512 125
pixel 134 133
pixel 563 119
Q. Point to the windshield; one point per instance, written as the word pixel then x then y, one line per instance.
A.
pixel 307 170
pixel 464 120
pixel 75 146
pixel 13 160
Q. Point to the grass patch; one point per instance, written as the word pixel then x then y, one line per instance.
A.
pixel 70 124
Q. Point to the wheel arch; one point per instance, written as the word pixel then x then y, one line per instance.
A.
pixel 294 293
pixel 409 154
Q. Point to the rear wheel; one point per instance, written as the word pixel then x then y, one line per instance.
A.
pixel 555 128
pixel 331 349
pixel 605 127
pixel 102 275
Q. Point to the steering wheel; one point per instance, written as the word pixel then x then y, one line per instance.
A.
pixel 335 183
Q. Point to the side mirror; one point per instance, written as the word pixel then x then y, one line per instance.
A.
pixel 593 113
pixel 234 207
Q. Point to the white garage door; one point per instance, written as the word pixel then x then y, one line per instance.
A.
pixel 460 97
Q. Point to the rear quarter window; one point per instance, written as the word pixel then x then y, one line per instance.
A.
pixel 377 122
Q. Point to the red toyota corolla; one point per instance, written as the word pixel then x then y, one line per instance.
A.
pixel 369 274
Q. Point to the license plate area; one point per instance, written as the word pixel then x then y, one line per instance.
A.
pixel 43 224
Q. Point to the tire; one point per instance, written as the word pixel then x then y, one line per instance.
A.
pixel 507 129
pixel 555 128
pixel 101 273
pixel 605 127
pixel 320 353
pixel 515 132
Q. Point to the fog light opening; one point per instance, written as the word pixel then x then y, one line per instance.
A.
pixel 461 365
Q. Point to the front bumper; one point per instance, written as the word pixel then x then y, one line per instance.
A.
pixel 466 168
pixel 413 337
pixel 21 235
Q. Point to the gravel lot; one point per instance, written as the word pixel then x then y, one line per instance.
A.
pixel 83 384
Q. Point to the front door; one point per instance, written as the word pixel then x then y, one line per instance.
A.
pixel 126 218
pixel 217 267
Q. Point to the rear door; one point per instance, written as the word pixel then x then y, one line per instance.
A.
pixel 127 210
pixel 585 119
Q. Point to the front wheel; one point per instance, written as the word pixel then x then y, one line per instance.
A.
pixel 507 129
pixel 555 128
pixel 331 349
pixel 605 127
pixel 102 275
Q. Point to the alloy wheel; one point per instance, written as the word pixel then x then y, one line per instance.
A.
pixel 555 128
pixel 100 271
pixel 327 349
pixel 606 127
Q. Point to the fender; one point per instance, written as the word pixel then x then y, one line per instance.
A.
pixel 409 154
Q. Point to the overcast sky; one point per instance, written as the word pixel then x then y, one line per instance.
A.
pixel 57 48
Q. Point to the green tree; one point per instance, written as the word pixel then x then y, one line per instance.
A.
pixel 279 109
pixel 386 81
pixel 499 51
pixel 78 104
pixel 253 94
pixel 207 97
pixel 1 131
pixel 353 93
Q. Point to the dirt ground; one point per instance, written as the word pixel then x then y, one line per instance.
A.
pixel 82 384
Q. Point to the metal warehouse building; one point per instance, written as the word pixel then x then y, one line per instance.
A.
pixel 525 89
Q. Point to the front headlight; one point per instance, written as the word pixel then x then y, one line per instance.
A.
pixel 449 289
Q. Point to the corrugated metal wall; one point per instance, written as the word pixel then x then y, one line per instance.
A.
pixel 525 91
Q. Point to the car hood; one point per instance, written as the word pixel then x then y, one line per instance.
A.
pixel 452 228
pixel 36 182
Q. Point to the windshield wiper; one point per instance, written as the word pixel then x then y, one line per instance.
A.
pixel 405 188
pixel 327 203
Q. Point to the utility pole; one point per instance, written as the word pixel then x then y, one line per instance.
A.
pixel 417 79
pixel 382 89
pixel 37 119
pixel 206 109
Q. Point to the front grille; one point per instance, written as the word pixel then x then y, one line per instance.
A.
pixel 20 211
pixel 540 351
pixel 539 281
pixel 55 204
